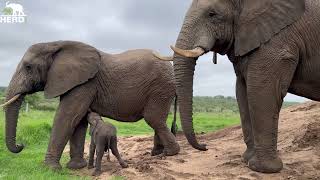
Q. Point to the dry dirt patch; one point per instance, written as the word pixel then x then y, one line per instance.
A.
pixel 298 144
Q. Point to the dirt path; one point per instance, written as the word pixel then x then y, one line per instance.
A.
pixel 299 147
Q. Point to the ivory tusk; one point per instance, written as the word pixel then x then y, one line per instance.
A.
pixel 10 101
pixel 194 53
pixel 163 58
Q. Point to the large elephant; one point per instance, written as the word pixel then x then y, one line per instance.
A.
pixel 274 47
pixel 126 87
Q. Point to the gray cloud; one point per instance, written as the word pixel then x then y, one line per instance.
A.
pixel 112 26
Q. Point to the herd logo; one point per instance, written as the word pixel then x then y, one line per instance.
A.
pixel 13 13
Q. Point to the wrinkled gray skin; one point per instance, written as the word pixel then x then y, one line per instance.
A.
pixel 103 138
pixel 274 47
pixel 126 87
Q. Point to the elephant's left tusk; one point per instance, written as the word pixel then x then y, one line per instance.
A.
pixel 10 101
pixel 163 58
pixel 194 53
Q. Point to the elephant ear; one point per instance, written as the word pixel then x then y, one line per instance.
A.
pixel 260 20
pixel 74 63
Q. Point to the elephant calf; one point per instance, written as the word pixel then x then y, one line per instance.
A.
pixel 103 137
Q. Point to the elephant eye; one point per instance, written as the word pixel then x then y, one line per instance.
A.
pixel 28 67
pixel 212 14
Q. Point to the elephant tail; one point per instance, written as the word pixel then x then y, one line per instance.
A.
pixel 174 122
pixel 108 148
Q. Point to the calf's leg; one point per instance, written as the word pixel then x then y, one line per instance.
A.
pixel 91 154
pixel 115 152
pixel 99 154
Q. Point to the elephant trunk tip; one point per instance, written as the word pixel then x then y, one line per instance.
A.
pixel 193 142
pixel 15 148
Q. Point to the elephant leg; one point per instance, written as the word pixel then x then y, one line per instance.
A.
pixel 115 152
pixel 99 155
pixel 158 146
pixel 91 154
pixel 156 113
pixel 268 81
pixel 72 108
pixel 241 93
pixel 77 142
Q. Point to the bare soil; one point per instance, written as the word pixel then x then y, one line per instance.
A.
pixel 298 145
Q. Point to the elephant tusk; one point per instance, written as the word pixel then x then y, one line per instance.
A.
pixel 11 100
pixel 163 58
pixel 196 52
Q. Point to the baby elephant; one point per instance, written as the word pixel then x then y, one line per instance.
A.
pixel 103 137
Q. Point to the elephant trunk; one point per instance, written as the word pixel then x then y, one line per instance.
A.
pixel 184 71
pixel 11 114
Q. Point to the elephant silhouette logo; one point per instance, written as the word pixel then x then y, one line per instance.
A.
pixel 13 13
pixel 14 9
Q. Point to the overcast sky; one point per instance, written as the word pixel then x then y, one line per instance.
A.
pixel 112 26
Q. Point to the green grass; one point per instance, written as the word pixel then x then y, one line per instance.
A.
pixel 203 122
pixel 34 131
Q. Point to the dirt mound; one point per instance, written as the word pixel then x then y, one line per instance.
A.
pixel 298 144
pixel 311 137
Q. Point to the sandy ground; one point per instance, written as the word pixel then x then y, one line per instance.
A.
pixel 298 144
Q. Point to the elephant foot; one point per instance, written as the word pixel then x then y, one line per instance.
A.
pixel 272 165
pixel 97 173
pixel 76 163
pixel 124 165
pixel 157 150
pixel 55 166
pixel 248 154
pixel 172 149
pixel 90 166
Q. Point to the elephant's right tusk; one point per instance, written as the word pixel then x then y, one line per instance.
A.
pixel 163 58
pixel 11 100
pixel 194 53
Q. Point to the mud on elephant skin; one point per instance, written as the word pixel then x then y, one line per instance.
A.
pixel 274 47
pixel 103 139
pixel 125 87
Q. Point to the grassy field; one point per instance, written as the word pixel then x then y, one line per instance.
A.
pixel 34 131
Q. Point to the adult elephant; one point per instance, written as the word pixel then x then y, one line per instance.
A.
pixel 126 87
pixel 274 47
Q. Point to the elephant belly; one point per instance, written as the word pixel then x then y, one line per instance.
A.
pixel 124 107
pixel 306 82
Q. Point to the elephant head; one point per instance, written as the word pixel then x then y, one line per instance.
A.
pixel 232 27
pixel 54 68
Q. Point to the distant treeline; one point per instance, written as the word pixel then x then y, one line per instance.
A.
pixel 216 104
